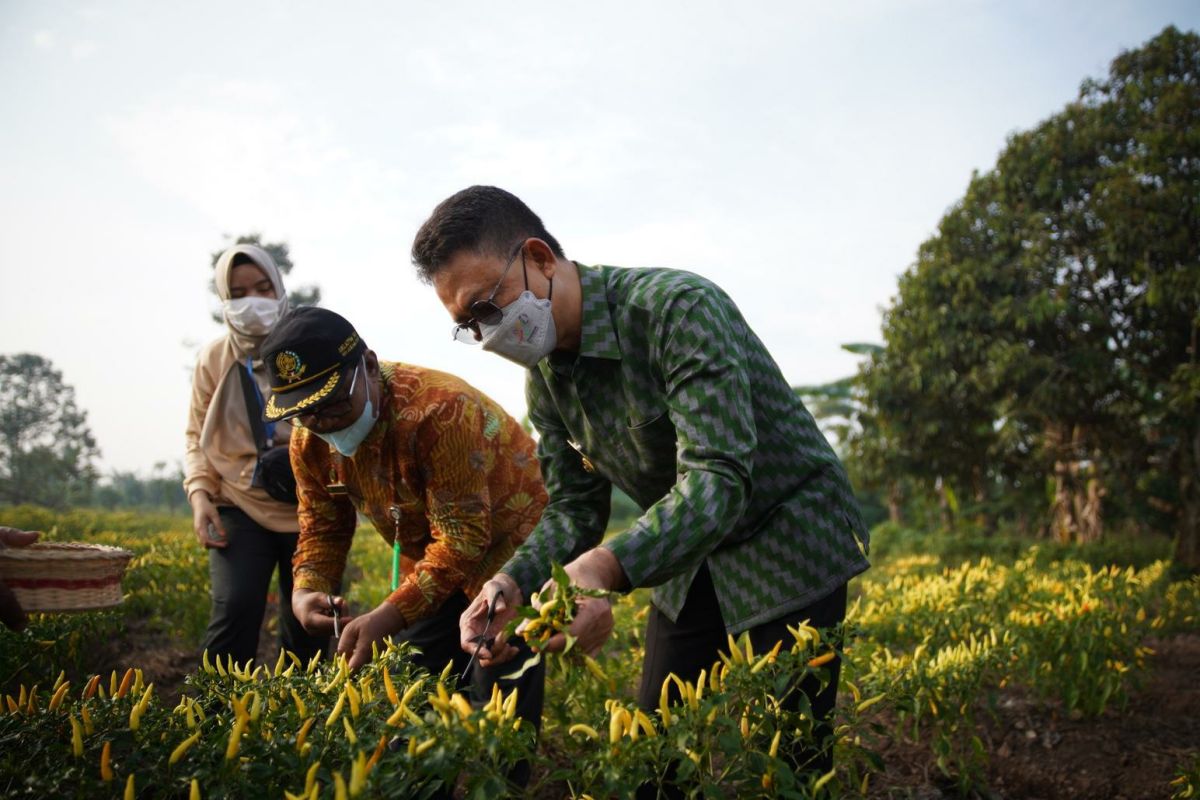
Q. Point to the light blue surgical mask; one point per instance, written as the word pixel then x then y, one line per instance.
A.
pixel 347 440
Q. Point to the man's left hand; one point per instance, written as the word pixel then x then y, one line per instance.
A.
pixel 598 568
pixel 361 632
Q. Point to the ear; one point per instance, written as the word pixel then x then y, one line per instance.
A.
pixel 539 256
pixel 372 362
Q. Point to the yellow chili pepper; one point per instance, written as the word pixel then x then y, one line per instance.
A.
pixel 194 790
pixel 587 730
pixel 57 698
pixel 310 777
pixel 350 734
pixel 76 738
pixel 390 689
pixel 90 689
pixel 182 748
pixel 235 738
pixel 130 792
pixel 337 709
pixel 302 734
pixel 106 773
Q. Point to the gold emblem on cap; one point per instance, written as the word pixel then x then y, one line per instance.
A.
pixel 348 345
pixel 289 366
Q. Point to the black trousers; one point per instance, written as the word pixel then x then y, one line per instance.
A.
pixel 240 575
pixel 692 642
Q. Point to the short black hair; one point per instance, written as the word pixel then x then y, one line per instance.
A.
pixel 482 219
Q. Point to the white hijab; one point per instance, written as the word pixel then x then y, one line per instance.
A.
pixel 246 344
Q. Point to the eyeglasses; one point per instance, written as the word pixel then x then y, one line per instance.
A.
pixel 335 410
pixel 486 311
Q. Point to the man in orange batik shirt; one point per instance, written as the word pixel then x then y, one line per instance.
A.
pixel 428 459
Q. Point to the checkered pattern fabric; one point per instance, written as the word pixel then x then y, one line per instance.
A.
pixel 674 399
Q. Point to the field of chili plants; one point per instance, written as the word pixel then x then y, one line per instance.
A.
pixel 931 643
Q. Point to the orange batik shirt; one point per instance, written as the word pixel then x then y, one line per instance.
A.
pixel 461 471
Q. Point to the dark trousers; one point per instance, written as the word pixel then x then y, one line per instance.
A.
pixel 240 574
pixel 692 642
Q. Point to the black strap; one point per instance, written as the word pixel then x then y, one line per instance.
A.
pixel 254 409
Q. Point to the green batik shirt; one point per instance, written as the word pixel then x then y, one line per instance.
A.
pixel 674 399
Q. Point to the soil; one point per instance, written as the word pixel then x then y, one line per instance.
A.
pixel 1036 752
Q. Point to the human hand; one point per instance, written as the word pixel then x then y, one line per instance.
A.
pixel 360 633
pixel 204 514
pixel 472 624
pixel 312 611
pixel 592 624
pixel 11 613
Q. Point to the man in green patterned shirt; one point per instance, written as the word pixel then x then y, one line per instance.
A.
pixel 650 380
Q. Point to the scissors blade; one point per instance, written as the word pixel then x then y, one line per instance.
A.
pixel 491 615
pixel 337 617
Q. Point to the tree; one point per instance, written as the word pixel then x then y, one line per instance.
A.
pixel 46 449
pixel 1048 332
pixel 306 295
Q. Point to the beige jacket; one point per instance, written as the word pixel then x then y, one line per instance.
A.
pixel 221 455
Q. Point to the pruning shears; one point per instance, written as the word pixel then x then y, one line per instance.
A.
pixel 483 638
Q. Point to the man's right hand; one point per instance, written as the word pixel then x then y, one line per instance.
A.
pixel 311 609
pixel 473 621
pixel 204 513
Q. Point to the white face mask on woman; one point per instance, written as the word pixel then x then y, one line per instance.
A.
pixel 253 316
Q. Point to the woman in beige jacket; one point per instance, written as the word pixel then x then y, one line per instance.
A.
pixel 234 463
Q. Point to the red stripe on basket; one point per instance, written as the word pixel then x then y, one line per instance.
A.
pixel 61 583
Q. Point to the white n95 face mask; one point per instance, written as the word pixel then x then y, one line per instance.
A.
pixel 525 334
pixel 253 316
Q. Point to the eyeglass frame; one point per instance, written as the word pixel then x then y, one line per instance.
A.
pixel 491 313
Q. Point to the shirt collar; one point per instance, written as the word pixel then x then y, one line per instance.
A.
pixel 597 337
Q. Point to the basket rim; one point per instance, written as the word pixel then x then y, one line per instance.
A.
pixel 64 551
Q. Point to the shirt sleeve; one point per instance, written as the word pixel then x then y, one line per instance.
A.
pixel 458 506
pixel 576 516
pixel 698 349
pixel 198 472
pixel 326 522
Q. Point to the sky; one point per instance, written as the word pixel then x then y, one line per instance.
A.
pixel 796 153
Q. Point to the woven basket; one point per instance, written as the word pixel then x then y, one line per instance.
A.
pixel 64 576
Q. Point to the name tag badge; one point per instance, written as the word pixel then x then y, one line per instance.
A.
pixel 337 489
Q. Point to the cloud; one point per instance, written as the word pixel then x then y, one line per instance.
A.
pixel 44 40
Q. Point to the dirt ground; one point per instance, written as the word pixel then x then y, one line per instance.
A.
pixel 1036 752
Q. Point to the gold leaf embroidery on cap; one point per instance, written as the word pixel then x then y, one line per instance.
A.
pixel 289 366
pixel 275 412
